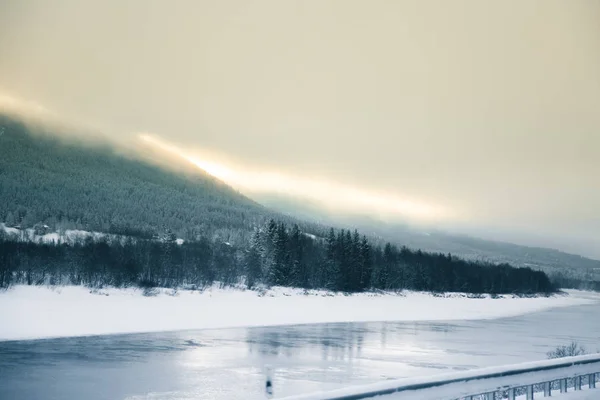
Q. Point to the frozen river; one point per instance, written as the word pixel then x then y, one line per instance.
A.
pixel 229 363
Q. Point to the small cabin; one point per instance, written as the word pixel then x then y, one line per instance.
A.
pixel 41 229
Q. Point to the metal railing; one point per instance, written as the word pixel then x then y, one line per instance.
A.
pixel 493 383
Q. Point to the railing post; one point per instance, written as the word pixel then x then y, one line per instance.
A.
pixel 592 381
pixel 511 394
pixel 547 389
pixel 578 383
pixel 563 385
pixel 529 390
pixel 489 396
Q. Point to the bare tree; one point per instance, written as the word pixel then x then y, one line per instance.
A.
pixel 572 349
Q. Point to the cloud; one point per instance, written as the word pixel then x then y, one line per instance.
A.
pixel 28 109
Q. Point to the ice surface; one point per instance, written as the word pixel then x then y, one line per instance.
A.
pixel 229 364
pixel 29 312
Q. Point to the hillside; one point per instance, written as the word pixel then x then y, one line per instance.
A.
pixel 474 248
pixel 69 185
pixel 469 248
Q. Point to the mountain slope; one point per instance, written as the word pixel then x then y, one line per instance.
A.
pixel 463 246
pixel 69 185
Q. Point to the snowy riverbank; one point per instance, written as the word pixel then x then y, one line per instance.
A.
pixel 28 312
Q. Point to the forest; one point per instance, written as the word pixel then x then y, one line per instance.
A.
pixel 276 255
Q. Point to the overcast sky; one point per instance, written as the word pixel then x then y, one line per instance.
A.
pixel 487 110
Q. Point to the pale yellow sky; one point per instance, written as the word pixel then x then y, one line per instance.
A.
pixel 487 109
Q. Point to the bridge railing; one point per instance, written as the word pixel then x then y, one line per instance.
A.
pixel 505 382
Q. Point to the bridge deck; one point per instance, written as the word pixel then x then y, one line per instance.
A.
pixel 511 379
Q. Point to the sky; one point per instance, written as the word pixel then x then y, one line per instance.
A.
pixel 480 117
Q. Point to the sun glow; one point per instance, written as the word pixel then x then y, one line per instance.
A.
pixel 18 106
pixel 330 195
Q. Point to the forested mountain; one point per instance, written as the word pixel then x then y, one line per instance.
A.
pixel 228 237
pixel 71 186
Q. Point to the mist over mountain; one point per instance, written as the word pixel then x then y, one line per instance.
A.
pixel 67 184
pixel 70 185
pixel 436 240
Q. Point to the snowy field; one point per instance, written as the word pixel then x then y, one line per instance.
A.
pixel 29 312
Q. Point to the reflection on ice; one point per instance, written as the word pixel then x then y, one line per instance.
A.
pixel 230 363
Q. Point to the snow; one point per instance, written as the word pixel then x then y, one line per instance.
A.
pixel 11 231
pixel 30 312
pixel 72 235
pixel 53 237
pixel 68 236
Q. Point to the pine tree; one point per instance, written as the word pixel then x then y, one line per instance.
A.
pixel 365 263
pixel 272 229
pixel 355 264
pixel 389 261
pixel 10 219
pixel 297 266
pixel 279 273
pixel 331 275
pixel 252 264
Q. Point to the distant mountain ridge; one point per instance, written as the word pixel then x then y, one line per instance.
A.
pixel 464 246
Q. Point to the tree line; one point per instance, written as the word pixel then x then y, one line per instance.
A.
pixel 277 254
pixel 568 280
